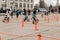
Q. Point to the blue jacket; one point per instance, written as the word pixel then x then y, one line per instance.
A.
pixel 17 12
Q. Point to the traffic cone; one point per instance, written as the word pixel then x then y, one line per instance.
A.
pixel 37 21
pixel 40 16
pixel 56 17
pixel 0 38
pixel 39 36
pixel 6 21
pixel 45 18
pixel 48 20
pixel 22 23
pixel 35 26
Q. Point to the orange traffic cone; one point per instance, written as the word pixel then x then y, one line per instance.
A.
pixel 0 38
pixel 48 20
pixel 22 23
pixel 37 21
pixel 40 16
pixel 56 17
pixel 35 26
pixel 45 18
pixel 39 36
pixel 6 21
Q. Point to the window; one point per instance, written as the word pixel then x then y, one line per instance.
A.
pixel 16 4
pixel 3 5
pixel 28 5
pixel 24 5
pixel 20 0
pixel 11 0
pixel 3 0
pixel 20 5
pixel 11 3
pixel 31 5
pixel 27 0
pixel 16 0
pixel 24 0
pixel 31 0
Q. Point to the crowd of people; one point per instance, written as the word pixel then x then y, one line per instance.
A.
pixel 9 14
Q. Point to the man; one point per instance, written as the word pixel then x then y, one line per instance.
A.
pixel 7 16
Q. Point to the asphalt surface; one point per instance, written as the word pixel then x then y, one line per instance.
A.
pixel 49 30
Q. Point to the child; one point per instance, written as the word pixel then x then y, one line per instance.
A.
pixel 34 19
pixel 6 17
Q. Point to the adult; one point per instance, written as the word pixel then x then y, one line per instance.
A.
pixel 7 16
pixel 25 15
pixel 24 11
pixel 17 13
pixel 34 11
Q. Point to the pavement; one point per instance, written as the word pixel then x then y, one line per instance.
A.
pixel 49 30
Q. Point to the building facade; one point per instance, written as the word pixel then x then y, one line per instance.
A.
pixel 42 4
pixel 17 4
pixel 2 4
